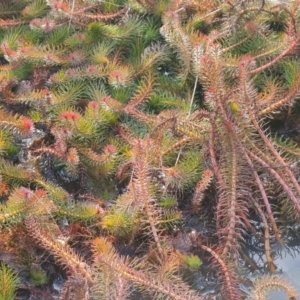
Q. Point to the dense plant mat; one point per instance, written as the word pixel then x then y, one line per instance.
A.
pixel 139 138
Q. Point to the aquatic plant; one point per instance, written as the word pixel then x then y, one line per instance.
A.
pixel 8 283
pixel 122 120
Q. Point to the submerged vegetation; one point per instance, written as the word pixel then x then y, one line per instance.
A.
pixel 125 124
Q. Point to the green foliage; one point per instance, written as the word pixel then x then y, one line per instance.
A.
pixel 168 202
pixel 37 276
pixel 58 36
pixel 23 71
pixel 290 70
pixel 14 174
pixel 5 142
pixel 85 212
pixel 192 262
pixel 8 283
pixel 94 32
pixel 68 93
pixel 118 223
pixel 36 9
pixel 151 31
pixel 11 37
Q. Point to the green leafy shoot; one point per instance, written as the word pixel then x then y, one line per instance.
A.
pixel 8 283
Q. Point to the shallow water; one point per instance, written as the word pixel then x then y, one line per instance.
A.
pixel 287 261
pixel 288 268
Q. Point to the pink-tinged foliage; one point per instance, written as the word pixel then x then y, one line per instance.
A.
pixel 58 5
pixel 25 125
pixel 93 105
pixel 69 116
pixel 26 193
pixel 46 25
pixel 111 149
pixel 76 57
pixel 119 77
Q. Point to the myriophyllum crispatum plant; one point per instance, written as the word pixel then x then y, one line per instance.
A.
pixel 126 123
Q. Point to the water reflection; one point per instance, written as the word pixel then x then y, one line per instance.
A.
pixel 286 258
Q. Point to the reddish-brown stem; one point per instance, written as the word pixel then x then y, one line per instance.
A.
pixel 276 154
pixel 99 16
pixel 265 198
pixel 236 44
pixel 141 181
pixel 233 196
pixel 291 94
pixel 226 273
pixel 213 155
pixel 269 259
pixel 279 179
pixel 292 46
pixel 141 279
